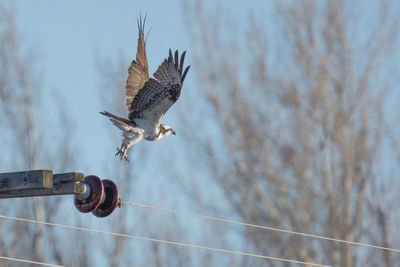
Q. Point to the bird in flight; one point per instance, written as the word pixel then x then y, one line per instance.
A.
pixel 148 99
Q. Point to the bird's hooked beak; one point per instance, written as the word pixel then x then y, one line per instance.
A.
pixel 173 132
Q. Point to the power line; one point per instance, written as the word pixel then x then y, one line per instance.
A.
pixel 260 226
pixel 164 241
pixel 28 261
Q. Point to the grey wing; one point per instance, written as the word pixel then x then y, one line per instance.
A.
pixel 157 96
pixel 138 72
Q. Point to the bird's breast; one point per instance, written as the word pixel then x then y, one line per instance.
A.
pixel 149 128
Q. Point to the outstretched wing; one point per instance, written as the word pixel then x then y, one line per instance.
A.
pixel 138 70
pixel 159 94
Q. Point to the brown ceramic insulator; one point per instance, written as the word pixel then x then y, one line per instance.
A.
pixel 111 201
pixel 95 196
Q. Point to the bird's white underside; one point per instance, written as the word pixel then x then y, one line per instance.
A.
pixel 145 129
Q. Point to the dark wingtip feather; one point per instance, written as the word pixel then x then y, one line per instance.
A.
pixel 141 23
pixel 184 73
pixel 144 21
pixel 170 56
pixel 176 59
pixel 181 63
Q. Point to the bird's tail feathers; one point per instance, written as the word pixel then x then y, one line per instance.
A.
pixel 121 123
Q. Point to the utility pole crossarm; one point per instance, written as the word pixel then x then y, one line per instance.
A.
pixel 40 183
pixel 26 180
pixel 91 194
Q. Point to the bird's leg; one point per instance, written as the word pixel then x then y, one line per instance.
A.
pixel 121 152
pixel 126 144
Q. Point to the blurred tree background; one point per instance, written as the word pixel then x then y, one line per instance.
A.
pixel 293 124
pixel 307 125
pixel 25 145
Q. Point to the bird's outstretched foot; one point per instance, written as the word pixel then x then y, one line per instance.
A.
pixel 121 152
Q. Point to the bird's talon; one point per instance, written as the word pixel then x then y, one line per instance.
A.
pixel 119 150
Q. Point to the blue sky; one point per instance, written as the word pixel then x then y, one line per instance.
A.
pixel 69 37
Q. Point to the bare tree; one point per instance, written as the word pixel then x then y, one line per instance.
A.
pixel 24 147
pixel 303 125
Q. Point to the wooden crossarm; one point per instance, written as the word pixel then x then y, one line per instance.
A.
pixel 40 183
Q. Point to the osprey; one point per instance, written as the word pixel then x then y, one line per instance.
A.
pixel 148 99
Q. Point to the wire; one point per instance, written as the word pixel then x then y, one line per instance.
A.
pixel 163 241
pixel 28 261
pixel 259 226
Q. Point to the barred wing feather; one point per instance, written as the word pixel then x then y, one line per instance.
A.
pixel 159 94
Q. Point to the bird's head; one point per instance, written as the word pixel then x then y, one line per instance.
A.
pixel 166 130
